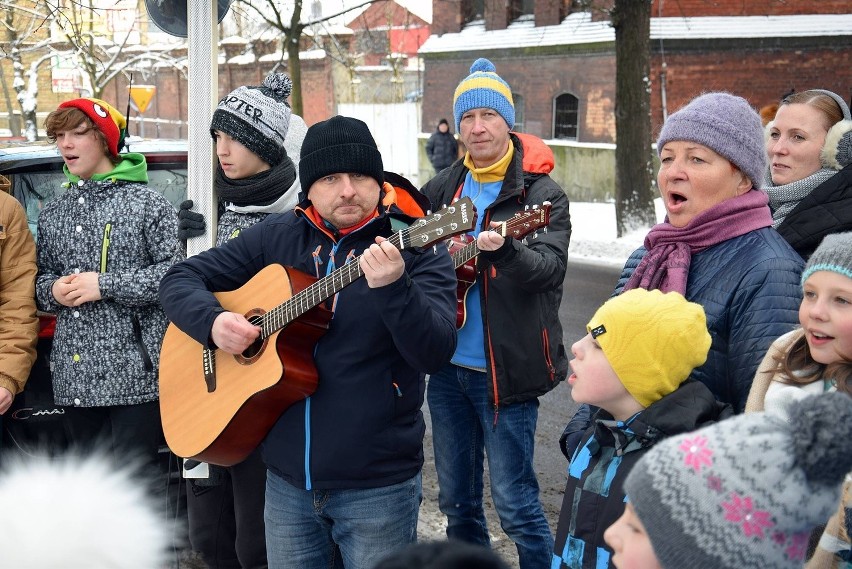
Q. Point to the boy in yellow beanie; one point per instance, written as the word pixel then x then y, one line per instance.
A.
pixel 633 364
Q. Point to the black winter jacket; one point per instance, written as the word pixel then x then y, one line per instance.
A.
pixel 362 427
pixel 827 209
pixel 594 493
pixel 442 149
pixel 521 285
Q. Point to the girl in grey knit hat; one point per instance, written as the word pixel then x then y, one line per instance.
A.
pixel 815 358
pixel 743 493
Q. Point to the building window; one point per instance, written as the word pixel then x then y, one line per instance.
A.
pixel 518 8
pixel 518 99
pixel 565 116
pixel 472 10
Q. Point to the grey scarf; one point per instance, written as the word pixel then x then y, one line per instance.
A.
pixel 784 198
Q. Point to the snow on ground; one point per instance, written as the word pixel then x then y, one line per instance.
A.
pixel 593 233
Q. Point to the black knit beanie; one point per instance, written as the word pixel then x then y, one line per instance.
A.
pixel 338 145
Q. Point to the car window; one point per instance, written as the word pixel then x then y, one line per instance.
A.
pixel 36 188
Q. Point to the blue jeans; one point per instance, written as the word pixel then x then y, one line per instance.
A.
pixel 305 529
pixel 463 434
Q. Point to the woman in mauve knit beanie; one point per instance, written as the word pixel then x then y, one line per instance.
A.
pixel 716 245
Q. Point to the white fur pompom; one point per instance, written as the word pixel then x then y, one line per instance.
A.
pixel 78 512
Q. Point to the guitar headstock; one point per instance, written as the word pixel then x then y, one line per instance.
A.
pixel 458 217
pixel 525 222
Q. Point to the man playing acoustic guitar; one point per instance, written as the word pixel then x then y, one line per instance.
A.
pixel 344 463
pixel 510 348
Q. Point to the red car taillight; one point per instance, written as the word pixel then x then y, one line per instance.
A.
pixel 46 326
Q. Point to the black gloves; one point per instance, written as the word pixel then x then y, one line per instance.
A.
pixel 190 223
pixel 574 430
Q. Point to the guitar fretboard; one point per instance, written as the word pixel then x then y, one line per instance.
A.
pixel 469 251
pixel 314 294
pixel 456 218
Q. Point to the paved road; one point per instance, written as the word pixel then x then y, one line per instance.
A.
pixel 587 286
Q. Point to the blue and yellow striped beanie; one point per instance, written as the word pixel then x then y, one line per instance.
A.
pixel 483 88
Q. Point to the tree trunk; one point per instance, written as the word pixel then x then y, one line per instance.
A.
pixel 294 64
pixel 634 205
pixel 12 38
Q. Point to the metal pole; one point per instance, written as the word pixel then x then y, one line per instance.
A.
pixel 203 37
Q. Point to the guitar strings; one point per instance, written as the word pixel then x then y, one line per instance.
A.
pixel 313 294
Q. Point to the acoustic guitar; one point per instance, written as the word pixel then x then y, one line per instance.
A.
pixel 217 407
pixel 464 250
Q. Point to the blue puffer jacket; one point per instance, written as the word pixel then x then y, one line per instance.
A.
pixel 750 289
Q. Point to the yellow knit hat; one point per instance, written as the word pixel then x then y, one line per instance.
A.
pixel 652 340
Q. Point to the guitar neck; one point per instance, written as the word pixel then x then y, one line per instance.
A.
pixel 316 293
pixel 465 254
pixel 454 219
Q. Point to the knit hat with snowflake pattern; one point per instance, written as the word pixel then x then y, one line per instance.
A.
pixel 747 491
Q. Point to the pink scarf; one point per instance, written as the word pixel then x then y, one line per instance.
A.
pixel 670 249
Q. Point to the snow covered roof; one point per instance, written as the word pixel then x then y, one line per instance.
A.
pixel 578 29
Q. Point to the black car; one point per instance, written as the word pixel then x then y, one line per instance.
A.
pixel 34 424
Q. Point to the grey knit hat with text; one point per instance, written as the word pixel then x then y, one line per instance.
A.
pixel 747 491
pixel 339 145
pixel 833 254
pixel 257 117
pixel 726 124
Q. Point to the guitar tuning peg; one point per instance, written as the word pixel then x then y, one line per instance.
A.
pixel 526 207
pixel 535 206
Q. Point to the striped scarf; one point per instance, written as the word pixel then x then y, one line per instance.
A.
pixel 784 198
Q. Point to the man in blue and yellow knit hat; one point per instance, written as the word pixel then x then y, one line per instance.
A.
pixel 510 347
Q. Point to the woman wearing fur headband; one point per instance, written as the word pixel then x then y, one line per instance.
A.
pixel 809 180
pixel 258 141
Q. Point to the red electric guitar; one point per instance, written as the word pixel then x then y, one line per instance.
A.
pixel 218 407
pixel 464 250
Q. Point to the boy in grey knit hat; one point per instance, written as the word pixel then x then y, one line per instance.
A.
pixel 745 492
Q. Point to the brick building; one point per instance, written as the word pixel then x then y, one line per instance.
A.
pixel 560 61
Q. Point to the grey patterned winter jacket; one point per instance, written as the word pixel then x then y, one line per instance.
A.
pixel 107 352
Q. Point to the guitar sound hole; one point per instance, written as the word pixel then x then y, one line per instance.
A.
pixel 253 350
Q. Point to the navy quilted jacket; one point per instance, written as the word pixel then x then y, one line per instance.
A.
pixel 750 289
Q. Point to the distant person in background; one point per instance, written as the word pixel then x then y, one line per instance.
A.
pixel 442 147
pixel 103 247
pixel 18 321
pixel 809 180
pixel 255 177
pixel 767 113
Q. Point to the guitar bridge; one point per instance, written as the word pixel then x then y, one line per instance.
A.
pixel 208 362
